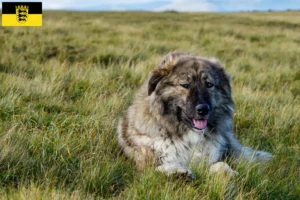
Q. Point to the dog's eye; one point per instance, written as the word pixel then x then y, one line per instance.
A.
pixel 186 86
pixel 209 85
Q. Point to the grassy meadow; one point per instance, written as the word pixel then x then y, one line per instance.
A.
pixel 64 85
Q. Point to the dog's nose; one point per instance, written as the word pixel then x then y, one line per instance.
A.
pixel 202 109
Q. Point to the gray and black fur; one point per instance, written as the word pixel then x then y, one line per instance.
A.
pixel 184 112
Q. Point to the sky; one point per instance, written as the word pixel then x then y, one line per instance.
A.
pixel 162 5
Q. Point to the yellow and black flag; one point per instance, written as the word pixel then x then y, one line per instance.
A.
pixel 22 14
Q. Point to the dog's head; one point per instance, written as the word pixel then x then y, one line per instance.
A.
pixel 195 89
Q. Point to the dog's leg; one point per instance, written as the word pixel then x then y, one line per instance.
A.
pixel 173 168
pixel 173 160
pixel 170 169
pixel 144 157
pixel 222 167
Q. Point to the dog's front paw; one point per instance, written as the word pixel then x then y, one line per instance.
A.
pixel 180 172
pixel 186 174
pixel 222 167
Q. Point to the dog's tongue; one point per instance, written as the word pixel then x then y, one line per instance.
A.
pixel 200 124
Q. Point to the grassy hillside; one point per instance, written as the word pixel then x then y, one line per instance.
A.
pixel 64 86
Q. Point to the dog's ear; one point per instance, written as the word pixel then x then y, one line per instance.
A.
pixel 153 81
pixel 163 69
pixel 225 79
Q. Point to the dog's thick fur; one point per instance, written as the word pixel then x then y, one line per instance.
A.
pixel 160 127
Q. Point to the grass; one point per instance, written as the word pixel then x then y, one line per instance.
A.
pixel 64 86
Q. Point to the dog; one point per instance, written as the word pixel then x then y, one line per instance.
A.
pixel 183 113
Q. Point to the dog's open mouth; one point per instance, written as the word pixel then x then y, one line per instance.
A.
pixel 193 123
pixel 200 123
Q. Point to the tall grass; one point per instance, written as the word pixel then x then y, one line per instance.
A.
pixel 64 86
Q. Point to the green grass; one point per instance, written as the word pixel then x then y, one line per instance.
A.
pixel 64 86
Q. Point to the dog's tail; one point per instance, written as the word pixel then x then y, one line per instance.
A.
pixel 247 154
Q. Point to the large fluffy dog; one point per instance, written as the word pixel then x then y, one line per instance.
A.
pixel 184 112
